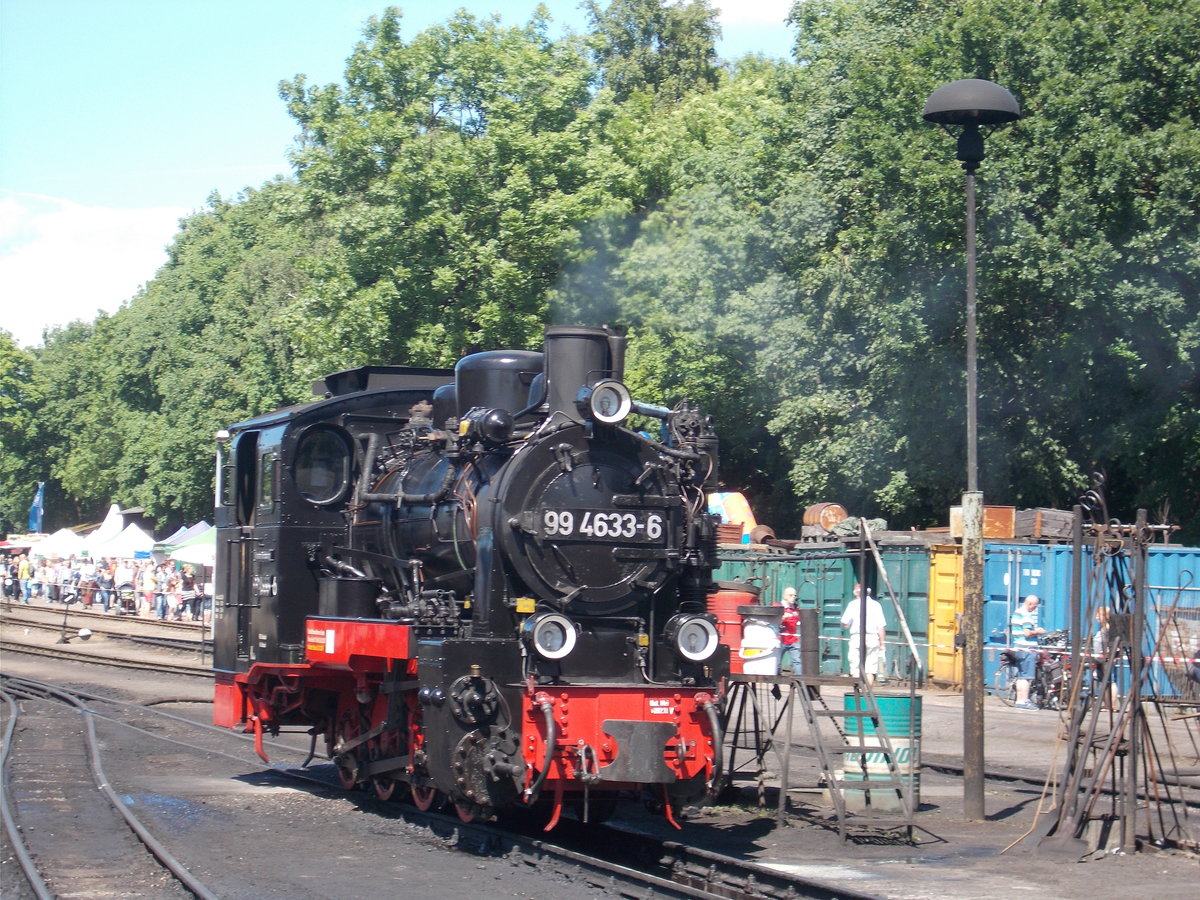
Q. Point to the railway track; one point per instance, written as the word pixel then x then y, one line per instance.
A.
pixel 125 642
pixel 113 634
pixel 52 651
pixel 72 840
pixel 45 783
pixel 99 623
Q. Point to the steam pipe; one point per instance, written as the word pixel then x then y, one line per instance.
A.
pixel 344 568
pixel 362 495
pixel 544 703
pixel 688 455
pixel 364 479
pixel 714 722
pixel 651 409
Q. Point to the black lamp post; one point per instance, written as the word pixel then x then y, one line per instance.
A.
pixel 971 103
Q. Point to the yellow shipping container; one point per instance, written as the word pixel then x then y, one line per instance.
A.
pixel 945 612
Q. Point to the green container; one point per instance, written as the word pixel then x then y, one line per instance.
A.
pixel 907 569
pixel 894 713
pixel 900 715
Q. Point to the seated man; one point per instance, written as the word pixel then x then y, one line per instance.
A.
pixel 1025 631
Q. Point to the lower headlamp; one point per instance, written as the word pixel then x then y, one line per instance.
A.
pixel 550 635
pixel 694 637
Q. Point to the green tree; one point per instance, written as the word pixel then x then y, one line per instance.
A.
pixel 784 242
pixel 667 50
pixel 449 176
pixel 1087 295
pixel 18 430
pixel 127 406
pixel 687 273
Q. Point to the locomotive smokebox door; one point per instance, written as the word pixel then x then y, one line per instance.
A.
pixel 589 519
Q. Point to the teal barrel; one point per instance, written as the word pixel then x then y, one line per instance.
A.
pixel 900 715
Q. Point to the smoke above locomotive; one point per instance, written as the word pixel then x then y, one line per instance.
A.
pixel 481 584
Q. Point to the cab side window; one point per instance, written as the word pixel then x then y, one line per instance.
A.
pixel 324 462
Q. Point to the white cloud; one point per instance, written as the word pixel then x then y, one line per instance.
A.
pixel 735 13
pixel 61 261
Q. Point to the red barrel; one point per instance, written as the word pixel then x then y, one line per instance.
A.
pixel 724 605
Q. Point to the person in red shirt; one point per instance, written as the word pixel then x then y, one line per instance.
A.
pixel 789 633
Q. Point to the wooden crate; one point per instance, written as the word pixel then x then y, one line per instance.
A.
pixel 1044 524
pixel 999 522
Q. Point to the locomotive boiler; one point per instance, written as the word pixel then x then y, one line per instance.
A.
pixel 480 585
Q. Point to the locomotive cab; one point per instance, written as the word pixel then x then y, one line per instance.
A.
pixel 283 483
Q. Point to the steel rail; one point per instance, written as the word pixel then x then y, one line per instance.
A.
pixel 152 844
pixel 28 867
pixel 9 645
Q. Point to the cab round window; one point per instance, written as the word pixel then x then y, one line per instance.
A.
pixel 323 464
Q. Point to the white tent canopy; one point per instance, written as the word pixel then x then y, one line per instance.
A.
pixel 183 535
pixel 178 535
pixel 111 527
pixel 63 544
pixel 126 545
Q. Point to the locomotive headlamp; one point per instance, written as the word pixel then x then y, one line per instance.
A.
pixel 693 636
pixel 550 635
pixel 492 426
pixel 606 401
pixel 497 426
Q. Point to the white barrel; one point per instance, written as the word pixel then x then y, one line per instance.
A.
pixel 760 647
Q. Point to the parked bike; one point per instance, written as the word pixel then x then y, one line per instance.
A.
pixel 1048 687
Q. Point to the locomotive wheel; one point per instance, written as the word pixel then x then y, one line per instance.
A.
pixel 384 787
pixel 385 746
pixel 423 797
pixel 467 811
pixel 346 776
pixel 347 763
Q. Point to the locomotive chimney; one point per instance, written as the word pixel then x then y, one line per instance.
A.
pixel 577 356
pixel 616 349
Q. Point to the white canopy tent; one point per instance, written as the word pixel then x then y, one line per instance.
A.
pixel 63 544
pixel 126 545
pixel 112 526
pixel 182 536
pixel 179 535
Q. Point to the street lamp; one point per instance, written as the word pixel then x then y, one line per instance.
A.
pixel 971 104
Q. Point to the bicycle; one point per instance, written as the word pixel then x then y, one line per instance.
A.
pixel 1050 676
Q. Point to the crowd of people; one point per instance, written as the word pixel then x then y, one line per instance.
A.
pixel 161 590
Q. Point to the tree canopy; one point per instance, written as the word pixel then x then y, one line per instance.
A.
pixel 783 240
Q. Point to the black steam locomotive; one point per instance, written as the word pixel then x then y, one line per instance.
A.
pixel 478 586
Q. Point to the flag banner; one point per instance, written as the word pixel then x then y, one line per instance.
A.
pixel 37 508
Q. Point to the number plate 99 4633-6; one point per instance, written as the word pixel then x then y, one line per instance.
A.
pixel 604 525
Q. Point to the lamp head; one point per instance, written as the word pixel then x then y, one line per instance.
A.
pixel 971 102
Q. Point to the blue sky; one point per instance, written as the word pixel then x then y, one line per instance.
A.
pixel 118 117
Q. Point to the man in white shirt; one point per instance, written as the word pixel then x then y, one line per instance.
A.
pixel 867 626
